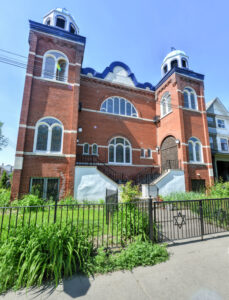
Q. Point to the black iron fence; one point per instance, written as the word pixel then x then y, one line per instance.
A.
pixel 117 224
pixel 176 220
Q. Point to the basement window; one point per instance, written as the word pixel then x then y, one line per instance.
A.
pixel 46 188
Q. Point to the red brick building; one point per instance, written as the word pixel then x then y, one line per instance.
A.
pixel 81 131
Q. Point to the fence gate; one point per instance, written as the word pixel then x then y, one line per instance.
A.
pixel 111 203
pixel 174 220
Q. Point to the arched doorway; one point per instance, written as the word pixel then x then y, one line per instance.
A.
pixel 169 154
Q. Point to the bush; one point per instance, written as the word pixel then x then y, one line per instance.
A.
pixel 219 190
pixel 129 192
pixel 4 181
pixel 32 255
pixel 69 200
pixel 184 196
pixel 136 254
pixel 29 200
pixel 4 197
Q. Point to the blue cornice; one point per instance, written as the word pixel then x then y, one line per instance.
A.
pixel 181 71
pixel 102 75
pixel 57 32
pixel 185 72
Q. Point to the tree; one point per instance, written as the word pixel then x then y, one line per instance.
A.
pixel 3 139
pixel 4 180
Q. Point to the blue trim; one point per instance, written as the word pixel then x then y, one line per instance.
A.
pixel 57 31
pixel 102 75
pixel 181 71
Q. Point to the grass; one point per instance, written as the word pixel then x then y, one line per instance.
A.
pixel 123 224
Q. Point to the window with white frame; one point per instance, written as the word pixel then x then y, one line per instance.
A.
pixel 224 144
pixel 48 135
pixel 86 149
pixel 94 149
pixel 149 153
pixel 46 188
pixel 211 122
pixel 119 106
pixel 220 123
pixel 72 28
pixel 55 66
pixel 120 151
pixel 190 99
pixel 166 106
pixel 195 150
pixel 142 152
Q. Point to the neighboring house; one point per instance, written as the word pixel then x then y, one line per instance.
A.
pixel 7 168
pixel 218 126
pixel 82 131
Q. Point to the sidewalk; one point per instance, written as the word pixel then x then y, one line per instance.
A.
pixel 195 271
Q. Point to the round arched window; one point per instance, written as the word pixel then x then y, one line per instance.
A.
pixel 120 151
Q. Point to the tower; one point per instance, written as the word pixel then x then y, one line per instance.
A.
pixel 47 136
pixel 183 132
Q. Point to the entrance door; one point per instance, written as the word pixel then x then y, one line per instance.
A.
pixel 169 154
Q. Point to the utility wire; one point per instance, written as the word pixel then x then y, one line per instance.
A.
pixel 37 68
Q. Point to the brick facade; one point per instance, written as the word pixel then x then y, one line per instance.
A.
pixel 49 98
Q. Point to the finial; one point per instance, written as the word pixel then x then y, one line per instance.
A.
pixel 173 48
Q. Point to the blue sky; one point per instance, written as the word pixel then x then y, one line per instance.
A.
pixel 138 32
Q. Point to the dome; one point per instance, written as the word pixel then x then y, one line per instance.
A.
pixel 61 17
pixel 174 53
pixel 175 58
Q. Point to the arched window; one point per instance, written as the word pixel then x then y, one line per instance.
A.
pixel 174 63
pixel 184 63
pixel 48 22
pixel 48 135
pixel 72 28
pixel 165 69
pixel 195 150
pixel 94 149
pixel 60 22
pixel 190 99
pixel 118 106
pixel 86 149
pixel 55 66
pixel 120 151
pixel 166 106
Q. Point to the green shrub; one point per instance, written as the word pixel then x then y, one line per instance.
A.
pixel 129 192
pixel 29 200
pixel 4 181
pixel 69 200
pixel 139 253
pixel 219 190
pixel 32 255
pixel 184 196
pixel 4 197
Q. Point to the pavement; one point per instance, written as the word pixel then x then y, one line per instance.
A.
pixel 197 270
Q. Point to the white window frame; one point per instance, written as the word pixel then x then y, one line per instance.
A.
pixel 124 156
pixel 217 120
pixel 95 154
pixel 195 161
pixel 144 153
pixel 63 57
pixel 50 127
pixel 167 101
pixel 223 138
pixel 119 114
pixel 189 98
pixel 84 153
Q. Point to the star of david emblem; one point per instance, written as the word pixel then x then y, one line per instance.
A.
pixel 179 220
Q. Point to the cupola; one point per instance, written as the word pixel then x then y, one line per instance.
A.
pixel 176 58
pixel 61 18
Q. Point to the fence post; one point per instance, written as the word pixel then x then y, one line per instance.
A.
pixel 201 220
pixel 55 210
pixel 150 218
